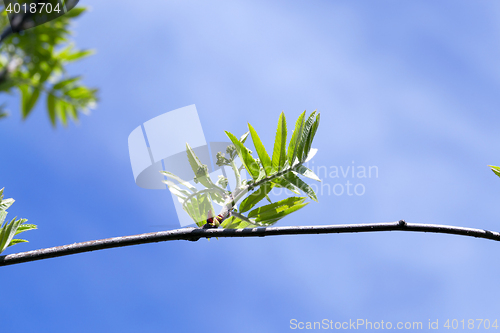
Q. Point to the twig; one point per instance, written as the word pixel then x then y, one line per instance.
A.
pixel 193 234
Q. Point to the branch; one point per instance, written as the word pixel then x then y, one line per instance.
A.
pixel 193 234
pixel 5 33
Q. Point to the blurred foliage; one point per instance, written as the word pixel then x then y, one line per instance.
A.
pixel 33 63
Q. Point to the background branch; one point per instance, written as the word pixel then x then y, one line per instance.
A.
pixel 193 234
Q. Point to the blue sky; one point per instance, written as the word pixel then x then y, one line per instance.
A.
pixel 408 87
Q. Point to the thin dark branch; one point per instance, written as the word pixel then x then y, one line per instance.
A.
pixel 5 33
pixel 193 234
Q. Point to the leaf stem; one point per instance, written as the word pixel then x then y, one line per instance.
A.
pixel 236 173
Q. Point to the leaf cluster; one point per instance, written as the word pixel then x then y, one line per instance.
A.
pixel 34 62
pixel 281 169
pixel 10 229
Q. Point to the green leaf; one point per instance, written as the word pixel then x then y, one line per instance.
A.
pixel 180 181
pixel 25 96
pixel 61 108
pixel 6 203
pixel 192 209
pixel 270 214
pixel 25 227
pixel 73 56
pixel 308 124
pixel 227 223
pixel 7 233
pixel 73 112
pixel 75 12
pixel 66 82
pixel 200 170
pixel 199 207
pixel 311 154
pixel 3 214
pixel 51 108
pixel 217 197
pixel 204 207
pixel 282 182
pixel 306 172
pixel 310 137
pixel 295 140
pixel 301 184
pixel 244 137
pixel 255 197
pixel 236 223
pixel 261 151
pixel 279 151
pixel 183 194
pixel 9 229
pixel 17 241
pixel 495 169
pixel 246 158
pixel 277 206
pixel 31 102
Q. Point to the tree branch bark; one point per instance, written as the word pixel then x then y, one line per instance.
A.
pixel 193 234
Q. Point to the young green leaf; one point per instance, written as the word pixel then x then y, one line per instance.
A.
pixel 282 182
pixel 261 151
pixel 301 184
pixel 236 223
pixel 244 137
pixel 495 169
pixel 200 170
pixel 17 241
pixel 198 208
pixel 73 56
pixel 255 197
pixel 51 108
pixel 228 223
pixel 66 82
pixel 277 206
pixel 32 101
pixel 310 138
pixel 279 151
pixel 273 218
pixel 191 209
pixel 194 161
pixel 275 211
pixel 246 158
pixel 205 207
pixel 24 227
pixel 9 229
pixel 179 180
pixel 311 154
pixel 308 124
pixel 295 140
pixel 61 108
pixel 7 232
pixel 25 96
pixel 306 172
pixel 176 190
pixel 4 204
